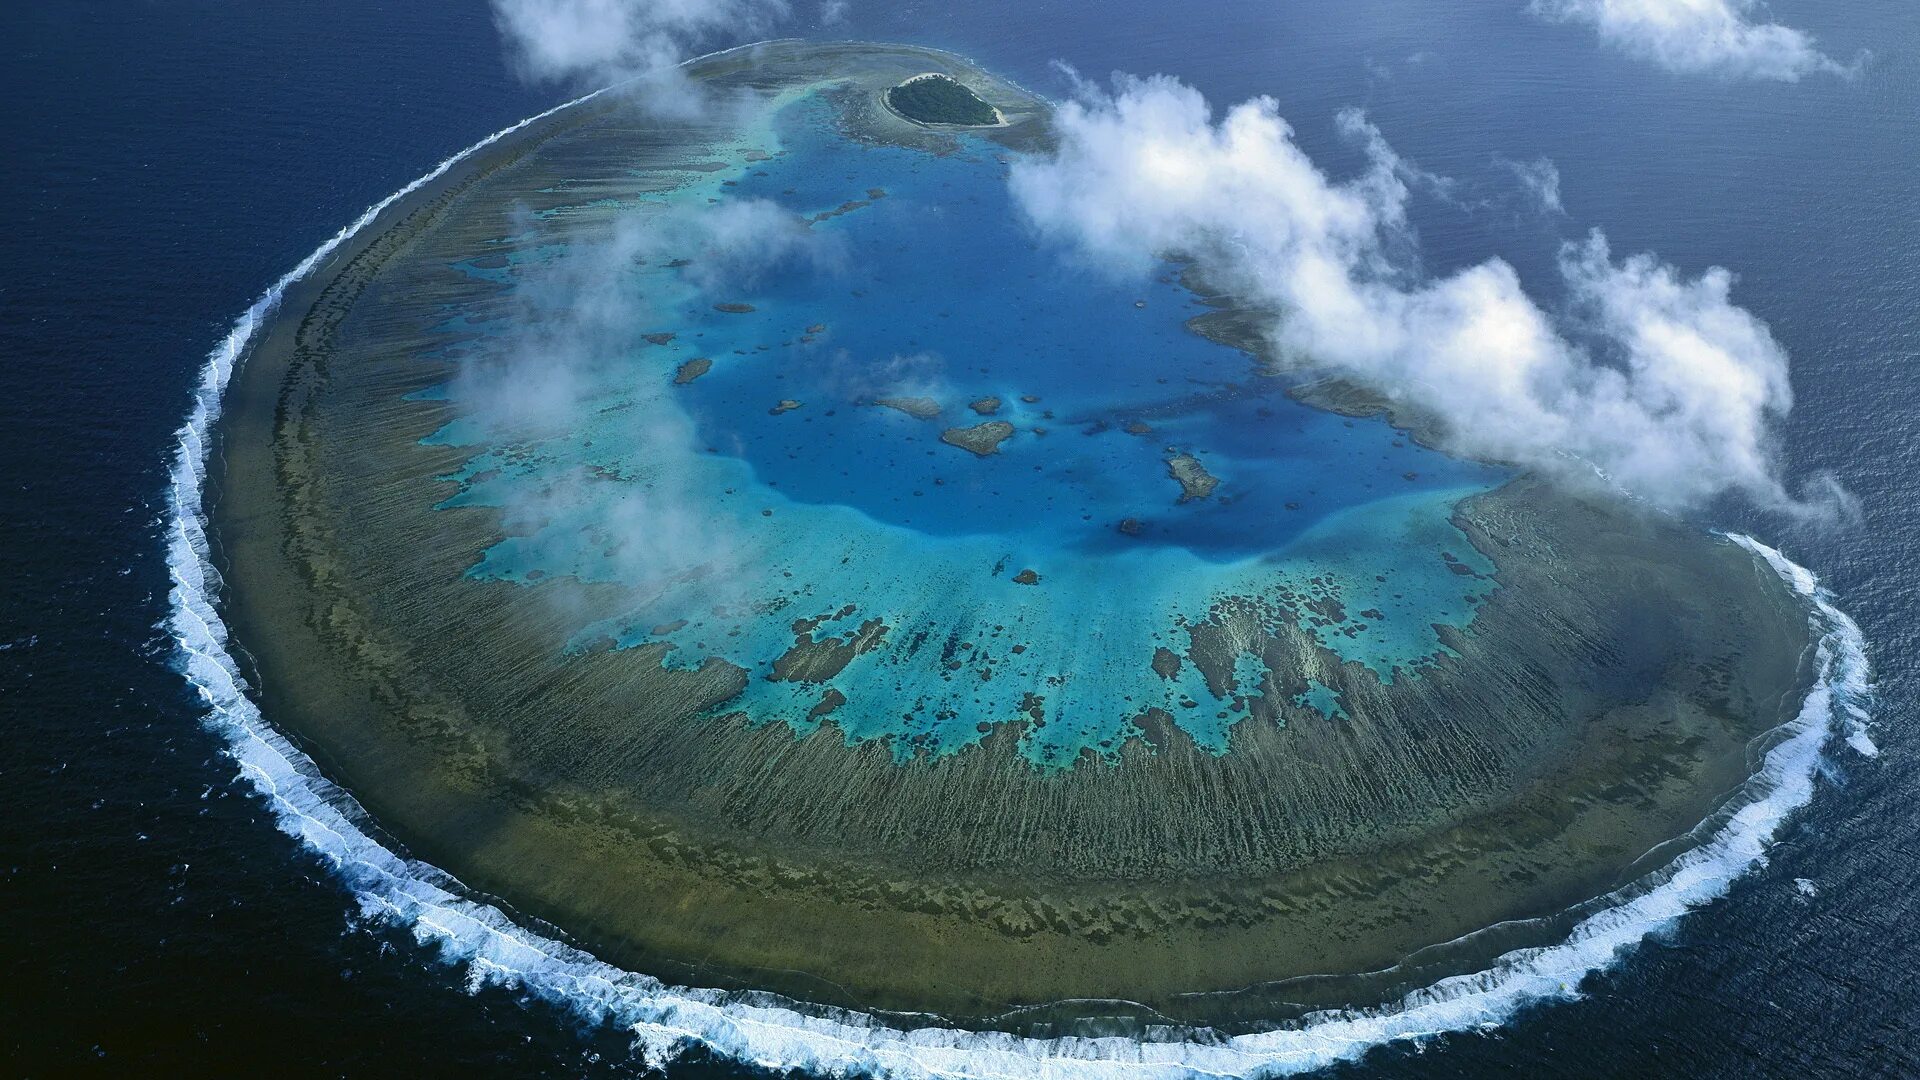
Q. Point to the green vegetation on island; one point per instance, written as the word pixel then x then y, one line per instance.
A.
pixel 938 99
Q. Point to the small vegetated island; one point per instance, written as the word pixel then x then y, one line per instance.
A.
pixel 933 98
pixel 1057 716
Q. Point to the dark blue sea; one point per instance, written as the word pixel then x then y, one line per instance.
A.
pixel 165 162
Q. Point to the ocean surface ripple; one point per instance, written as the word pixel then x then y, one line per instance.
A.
pixel 666 1020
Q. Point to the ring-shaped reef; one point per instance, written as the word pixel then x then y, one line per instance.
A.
pixel 737 542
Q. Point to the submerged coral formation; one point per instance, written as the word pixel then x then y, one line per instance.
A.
pixel 812 703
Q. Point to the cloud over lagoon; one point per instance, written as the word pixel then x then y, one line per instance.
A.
pixel 1652 379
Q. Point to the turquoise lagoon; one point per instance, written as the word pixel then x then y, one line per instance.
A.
pixel 771 489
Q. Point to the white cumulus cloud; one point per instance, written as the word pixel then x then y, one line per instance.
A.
pixel 1650 377
pixel 1715 37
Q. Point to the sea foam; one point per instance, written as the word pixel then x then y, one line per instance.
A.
pixel 666 1020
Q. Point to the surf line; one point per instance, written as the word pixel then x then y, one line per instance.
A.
pixel 666 1020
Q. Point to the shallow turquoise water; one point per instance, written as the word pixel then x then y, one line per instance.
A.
pixel 732 516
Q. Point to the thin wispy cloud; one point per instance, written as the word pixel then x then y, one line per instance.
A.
pixel 575 345
pixel 1540 179
pixel 1651 378
pixel 601 42
pixel 1726 38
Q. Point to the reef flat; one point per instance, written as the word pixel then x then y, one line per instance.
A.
pixel 980 439
pixel 808 702
pixel 1194 479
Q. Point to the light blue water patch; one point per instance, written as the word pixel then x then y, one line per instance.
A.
pixel 775 499
pixel 1323 699
pixel 513 259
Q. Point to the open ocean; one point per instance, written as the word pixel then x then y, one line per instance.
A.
pixel 166 163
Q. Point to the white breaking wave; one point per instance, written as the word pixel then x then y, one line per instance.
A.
pixel 666 1020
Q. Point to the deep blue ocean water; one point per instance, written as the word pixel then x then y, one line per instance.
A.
pixel 166 163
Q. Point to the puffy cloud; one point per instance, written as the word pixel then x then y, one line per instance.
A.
pixel 1653 379
pixel 606 41
pixel 1717 37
